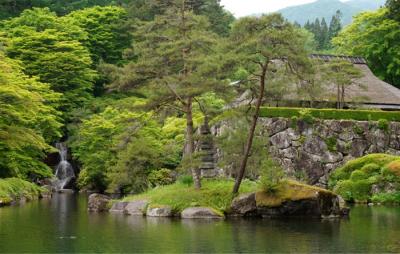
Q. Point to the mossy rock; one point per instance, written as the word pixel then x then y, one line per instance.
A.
pixel 290 191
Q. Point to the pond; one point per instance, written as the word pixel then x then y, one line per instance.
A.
pixel 62 224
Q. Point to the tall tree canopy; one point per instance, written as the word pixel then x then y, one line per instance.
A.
pixel 219 18
pixel 49 47
pixel 263 46
pixel 375 37
pixel 28 122
pixel 176 61
pixel 106 32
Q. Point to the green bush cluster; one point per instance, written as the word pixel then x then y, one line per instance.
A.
pixel 354 181
pixel 14 188
pixel 272 175
pixel 334 114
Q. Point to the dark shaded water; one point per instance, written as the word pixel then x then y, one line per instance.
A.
pixel 63 225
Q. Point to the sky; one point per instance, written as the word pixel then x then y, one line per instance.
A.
pixel 241 8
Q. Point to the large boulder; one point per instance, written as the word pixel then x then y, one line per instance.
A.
pixel 294 199
pixel 162 211
pixel 136 208
pixel 118 207
pixel 98 203
pixel 200 213
pixel 244 205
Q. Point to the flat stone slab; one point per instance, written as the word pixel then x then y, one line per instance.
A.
pixel 200 213
pixel 118 207
pixel 165 211
pixel 136 208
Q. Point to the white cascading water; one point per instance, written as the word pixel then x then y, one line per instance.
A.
pixel 64 171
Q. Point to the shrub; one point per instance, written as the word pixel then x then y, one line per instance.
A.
pixel 186 180
pixel 331 143
pixel 358 175
pixel 271 175
pixel 306 116
pixel 371 168
pixel 394 167
pixel 359 115
pixel 392 198
pixel 383 124
pixel 361 190
pixel 161 177
pixel 345 189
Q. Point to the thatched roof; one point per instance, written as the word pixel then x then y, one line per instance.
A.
pixel 368 90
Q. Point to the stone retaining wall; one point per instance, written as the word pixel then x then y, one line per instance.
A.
pixel 316 149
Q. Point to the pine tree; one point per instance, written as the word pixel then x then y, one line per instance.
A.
pixel 336 25
pixel 262 45
pixel 175 61
pixel 324 35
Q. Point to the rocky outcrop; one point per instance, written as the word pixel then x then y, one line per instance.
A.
pixel 136 208
pixel 162 211
pixel 292 199
pixel 244 205
pixel 200 213
pixel 316 149
pixel 98 203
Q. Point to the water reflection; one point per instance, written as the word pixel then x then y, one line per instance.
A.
pixel 63 225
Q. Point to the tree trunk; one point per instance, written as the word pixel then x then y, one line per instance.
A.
pixel 250 136
pixel 189 147
pixel 342 96
pixel 338 97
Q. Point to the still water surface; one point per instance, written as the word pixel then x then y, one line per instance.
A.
pixel 63 225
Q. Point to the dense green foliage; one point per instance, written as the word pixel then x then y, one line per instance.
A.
pixel 106 32
pixel 359 115
pixel 119 147
pixel 375 177
pixel 49 48
pixel 12 8
pixel 14 189
pixel 375 37
pixel 28 122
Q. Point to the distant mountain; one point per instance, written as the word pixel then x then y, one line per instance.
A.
pixel 327 8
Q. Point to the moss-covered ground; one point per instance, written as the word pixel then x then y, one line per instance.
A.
pixel 289 190
pixel 372 178
pixel 12 189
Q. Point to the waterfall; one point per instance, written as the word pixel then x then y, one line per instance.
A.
pixel 64 171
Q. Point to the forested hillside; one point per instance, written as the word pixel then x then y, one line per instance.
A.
pixel 327 8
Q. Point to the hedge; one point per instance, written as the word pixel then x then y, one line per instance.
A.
pixel 333 114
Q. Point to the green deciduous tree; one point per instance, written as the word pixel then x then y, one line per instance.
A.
pixel 28 122
pixel 106 32
pixel 263 45
pixel 376 38
pixel 49 47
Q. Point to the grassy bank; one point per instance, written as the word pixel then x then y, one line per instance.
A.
pixel 13 189
pixel 216 194
pixel 333 114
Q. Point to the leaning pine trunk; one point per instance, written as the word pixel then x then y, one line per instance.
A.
pixel 250 136
pixel 189 147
